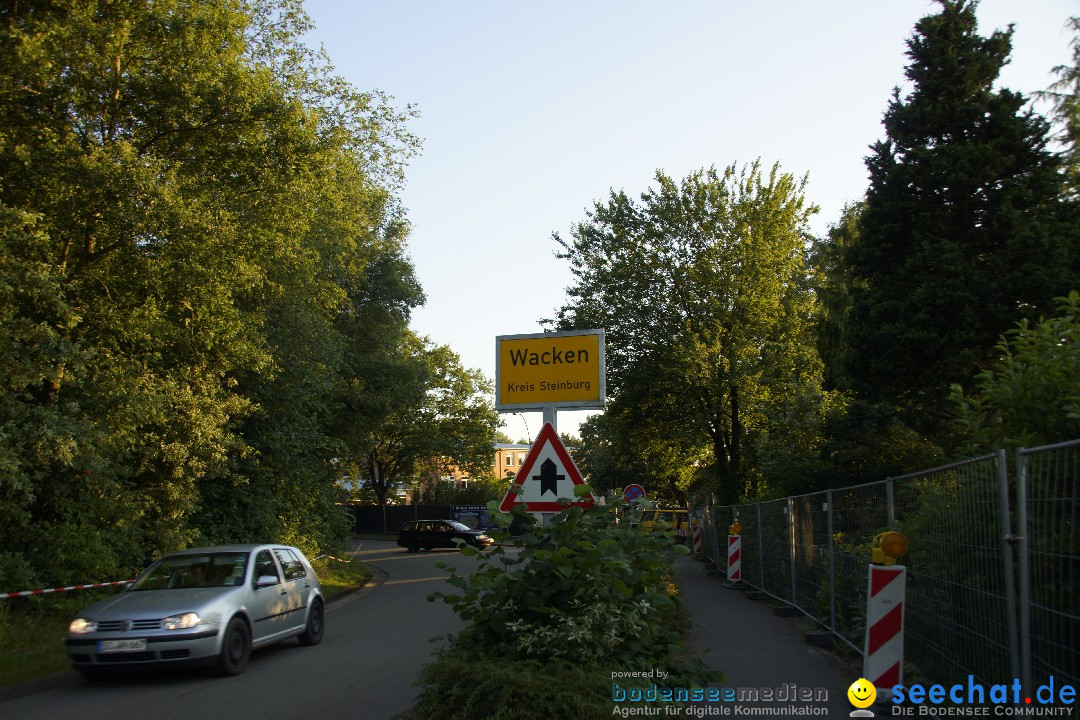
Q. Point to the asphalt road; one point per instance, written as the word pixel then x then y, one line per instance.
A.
pixel 376 642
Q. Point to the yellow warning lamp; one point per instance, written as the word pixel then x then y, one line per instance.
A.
pixel 887 547
pixel 734 528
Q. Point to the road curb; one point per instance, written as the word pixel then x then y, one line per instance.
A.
pixel 39 684
pixel 378 577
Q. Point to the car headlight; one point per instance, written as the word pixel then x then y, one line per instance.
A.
pixel 180 622
pixel 81 626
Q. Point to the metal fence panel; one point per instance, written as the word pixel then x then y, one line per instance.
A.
pixel 962 613
pixel 811 583
pixel 1047 505
pixel 767 555
pixel 859 513
pixel 957 620
pixel 712 529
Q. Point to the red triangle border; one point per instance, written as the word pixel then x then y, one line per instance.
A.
pixel 547 435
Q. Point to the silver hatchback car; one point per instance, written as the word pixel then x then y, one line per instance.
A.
pixel 209 605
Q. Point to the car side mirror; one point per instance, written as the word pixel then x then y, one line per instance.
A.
pixel 265 581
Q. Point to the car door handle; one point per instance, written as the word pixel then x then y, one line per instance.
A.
pixel 284 591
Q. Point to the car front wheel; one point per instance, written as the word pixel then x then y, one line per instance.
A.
pixel 235 648
pixel 313 633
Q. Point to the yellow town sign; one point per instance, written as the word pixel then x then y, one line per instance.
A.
pixel 562 369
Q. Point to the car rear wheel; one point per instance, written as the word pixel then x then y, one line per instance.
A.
pixel 235 648
pixel 313 633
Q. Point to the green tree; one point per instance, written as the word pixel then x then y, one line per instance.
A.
pixel 963 230
pixel 1030 396
pixel 189 200
pixel 480 490
pixel 702 288
pixel 430 410
pixel 833 284
pixel 1065 95
pixel 857 440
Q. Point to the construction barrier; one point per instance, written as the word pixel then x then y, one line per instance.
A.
pixel 883 656
pixel 734 558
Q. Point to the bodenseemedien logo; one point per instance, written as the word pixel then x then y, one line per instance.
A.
pixel 785 700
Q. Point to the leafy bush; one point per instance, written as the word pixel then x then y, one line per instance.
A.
pixel 463 686
pixel 588 586
pixel 1031 394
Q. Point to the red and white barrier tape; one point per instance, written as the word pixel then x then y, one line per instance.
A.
pixel 349 559
pixel 46 591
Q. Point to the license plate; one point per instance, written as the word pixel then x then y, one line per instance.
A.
pixel 113 646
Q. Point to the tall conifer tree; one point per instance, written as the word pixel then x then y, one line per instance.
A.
pixel 962 233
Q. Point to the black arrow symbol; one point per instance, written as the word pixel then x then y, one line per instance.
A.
pixel 547 477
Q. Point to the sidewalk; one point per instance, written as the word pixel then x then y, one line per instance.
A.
pixel 756 649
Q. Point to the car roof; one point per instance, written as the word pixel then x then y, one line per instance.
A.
pixel 244 547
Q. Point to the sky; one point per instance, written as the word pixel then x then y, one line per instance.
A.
pixel 532 111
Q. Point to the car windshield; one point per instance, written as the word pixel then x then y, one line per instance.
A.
pixel 460 526
pixel 202 570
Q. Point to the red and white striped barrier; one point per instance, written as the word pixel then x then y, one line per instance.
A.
pixel 695 534
pixel 46 591
pixel 734 558
pixel 883 655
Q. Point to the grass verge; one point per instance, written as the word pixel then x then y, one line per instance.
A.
pixel 31 644
pixel 340 578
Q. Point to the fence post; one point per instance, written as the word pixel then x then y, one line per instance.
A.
pixel 1022 460
pixel 760 554
pixel 715 537
pixel 890 504
pixel 1007 542
pixel 832 560
pixel 791 539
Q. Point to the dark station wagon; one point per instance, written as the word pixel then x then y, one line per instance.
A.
pixel 429 534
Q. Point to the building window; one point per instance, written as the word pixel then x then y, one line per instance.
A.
pixel 464 483
pixel 509 458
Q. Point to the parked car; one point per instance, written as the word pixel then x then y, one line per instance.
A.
pixel 428 534
pixel 209 605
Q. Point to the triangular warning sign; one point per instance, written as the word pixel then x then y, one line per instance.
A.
pixel 547 474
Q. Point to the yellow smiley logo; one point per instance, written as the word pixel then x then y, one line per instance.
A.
pixel 861 694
